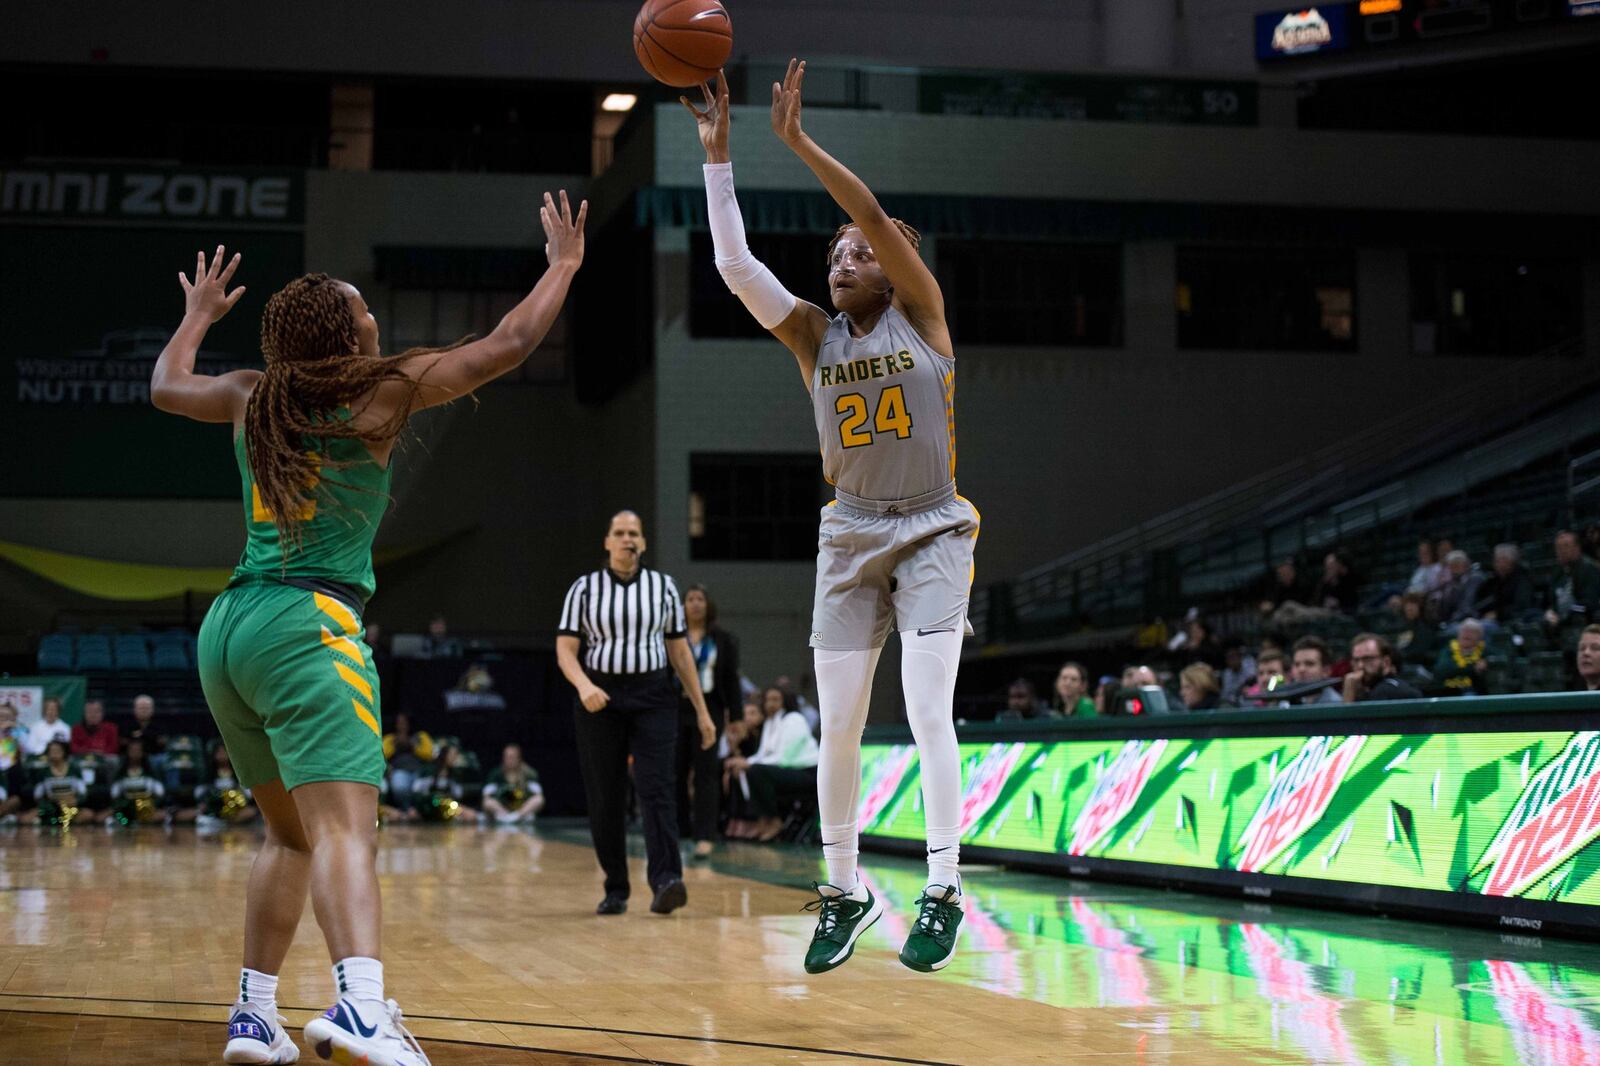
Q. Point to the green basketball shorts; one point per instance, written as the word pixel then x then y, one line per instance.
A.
pixel 290 682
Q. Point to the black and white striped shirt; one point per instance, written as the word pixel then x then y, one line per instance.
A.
pixel 625 624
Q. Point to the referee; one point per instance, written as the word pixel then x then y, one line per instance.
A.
pixel 631 621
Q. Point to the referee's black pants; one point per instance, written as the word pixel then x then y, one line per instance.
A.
pixel 641 720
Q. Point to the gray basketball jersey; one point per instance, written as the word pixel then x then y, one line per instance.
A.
pixel 885 410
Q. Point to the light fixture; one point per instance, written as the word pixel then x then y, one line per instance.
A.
pixel 618 102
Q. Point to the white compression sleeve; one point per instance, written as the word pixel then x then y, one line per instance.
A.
pixel 747 277
pixel 928 675
pixel 844 688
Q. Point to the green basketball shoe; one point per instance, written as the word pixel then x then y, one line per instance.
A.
pixel 932 942
pixel 839 926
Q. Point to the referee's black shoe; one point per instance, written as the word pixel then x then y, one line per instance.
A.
pixel 670 896
pixel 614 903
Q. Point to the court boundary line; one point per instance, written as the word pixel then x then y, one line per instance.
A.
pixel 861 1055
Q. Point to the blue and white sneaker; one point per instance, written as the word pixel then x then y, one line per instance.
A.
pixel 349 1037
pixel 257 1036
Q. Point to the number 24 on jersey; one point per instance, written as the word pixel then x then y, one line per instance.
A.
pixel 891 416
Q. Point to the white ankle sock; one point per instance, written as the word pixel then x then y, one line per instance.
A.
pixel 359 978
pixel 840 850
pixel 944 855
pixel 259 988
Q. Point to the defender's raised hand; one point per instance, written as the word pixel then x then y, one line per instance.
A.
pixel 713 121
pixel 563 234
pixel 207 296
pixel 786 104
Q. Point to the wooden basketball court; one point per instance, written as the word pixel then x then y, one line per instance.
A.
pixel 122 947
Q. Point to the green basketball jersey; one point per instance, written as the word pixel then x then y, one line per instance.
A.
pixel 339 524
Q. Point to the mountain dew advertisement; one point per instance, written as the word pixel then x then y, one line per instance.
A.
pixel 1490 814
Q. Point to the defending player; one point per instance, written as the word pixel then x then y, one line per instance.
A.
pixel 283 662
pixel 895 547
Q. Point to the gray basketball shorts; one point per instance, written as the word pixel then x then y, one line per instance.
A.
pixel 883 566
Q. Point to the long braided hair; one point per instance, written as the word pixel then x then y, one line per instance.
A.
pixel 314 367
pixel 910 234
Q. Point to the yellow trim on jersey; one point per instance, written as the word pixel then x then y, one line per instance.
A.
pixel 366 716
pixel 950 418
pixel 344 646
pixel 354 680
pixel 338 612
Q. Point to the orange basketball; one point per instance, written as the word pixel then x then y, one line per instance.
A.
pixel 682 42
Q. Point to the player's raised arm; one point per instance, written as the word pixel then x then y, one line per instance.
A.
pixel 455 373
pixel 915 288
pixel 174 386
pixel 798 324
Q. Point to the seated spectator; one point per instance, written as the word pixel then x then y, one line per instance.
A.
pixel 60 793
pixel 1021 702
pixel 10 801
pixel 1272 670
pixel 1509 589
pixel 145 729
pixel 49 727
pixel 1373 673
pixel 1429 573
pixel 783 770
pixel 1417 643
pixel 222 801
pixel 760 731
pixel 13 738
pixel 1589 657
pixel 1199 687
pixel 1575 587
pixel 1196 643
pixel 512 794
pixel 1336 591
pixel 753 716
pixel 439 644
pixel 1072 692
pixel 1461 668
pixel 407 754
pixel 94 734
pixel 1311 663
pixel 1283 586
pixel 1457 598
pixel 11 779
pixel 437 795
pixel 806 707
pixel 1238 670
pixel 137 795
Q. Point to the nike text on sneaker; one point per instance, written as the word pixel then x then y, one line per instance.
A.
pixel 256 1037
pixel 932 942
pixel 342 1035
pixel 839 925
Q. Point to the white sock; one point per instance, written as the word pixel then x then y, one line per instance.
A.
pixel 261 989
pixel 359 978
pixel 844 689
pixel 928 675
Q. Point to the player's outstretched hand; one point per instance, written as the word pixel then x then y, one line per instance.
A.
pixel 713 121
pixel 786 104
pixel 207 295
pixel 563 234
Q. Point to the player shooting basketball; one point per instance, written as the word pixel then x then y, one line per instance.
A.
pixel 895 547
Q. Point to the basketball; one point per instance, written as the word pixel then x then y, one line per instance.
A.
pixel 682 42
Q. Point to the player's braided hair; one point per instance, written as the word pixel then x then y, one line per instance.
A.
pixel 906 230
pixel 309 341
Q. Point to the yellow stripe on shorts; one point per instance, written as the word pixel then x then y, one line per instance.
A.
pixel 338 612
pixel 344 646
pixel 366 716
pixel 354 680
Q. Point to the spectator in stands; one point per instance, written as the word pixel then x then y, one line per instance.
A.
pixel 12 738
pixel 1461 668
pixel 812 714
pixel 1457 598
pixel 1311 663
pixel 1238 670
pixel 407 754
pixel 512 795
pixel 1021 702
pixel 1196 643
pixel 48 728
pixel 1272 670
pixel 1072 692
pixel 145 729
pixel 785 769
pixel 1589 657
pixel 94 733
pixel 1374 674
pixel 137 796
pixel 1199 688
pixel 752 716
pixel 1417 642
pixel 1575 589
pixel 1283 586
pixel 1429 573
pixel 60 792
pixel 1509 589
pixel 438 794
pixel 1336 590
pixel 439 643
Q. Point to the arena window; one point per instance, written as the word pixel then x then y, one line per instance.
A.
pixel 754 507
pixel 1266 299
pixel 799 260
pixel 1032 293
pixel 1493 304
